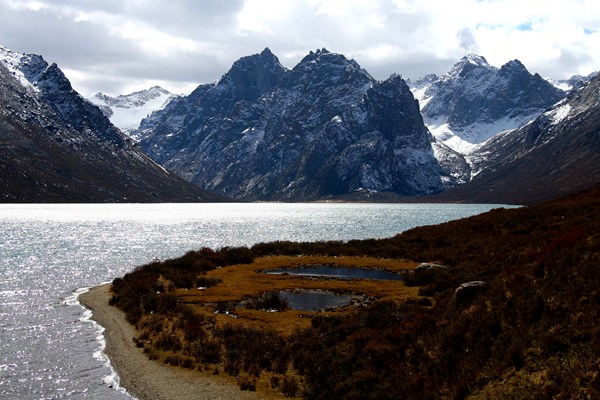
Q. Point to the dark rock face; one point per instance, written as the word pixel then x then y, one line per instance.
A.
pixel 57 147
pixel 324 128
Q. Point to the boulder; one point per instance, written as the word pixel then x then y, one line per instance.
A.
pixel 467 290
pixel 430 266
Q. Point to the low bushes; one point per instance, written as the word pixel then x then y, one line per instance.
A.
pixel 532 332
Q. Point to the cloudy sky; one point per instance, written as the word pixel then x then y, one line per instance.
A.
pixel 119 46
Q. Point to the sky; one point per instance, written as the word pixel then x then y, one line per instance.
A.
pixel 120 46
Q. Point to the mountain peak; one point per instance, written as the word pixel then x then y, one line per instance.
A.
pixel 467 64
pixel 267 53
pixel 126 111
pixel 315 55
pixel 251 76
pixel 26 67
pixel 475 59
pixel 512 67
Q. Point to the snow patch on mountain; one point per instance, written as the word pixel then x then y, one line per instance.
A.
pixel 559 113
pixel 127 111
pixel 17 64
pixel 475 101
pixel 468 139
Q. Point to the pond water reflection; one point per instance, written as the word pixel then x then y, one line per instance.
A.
pixel 324 270
pixel 314 300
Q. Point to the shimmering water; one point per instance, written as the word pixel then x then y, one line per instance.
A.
pixel 50 253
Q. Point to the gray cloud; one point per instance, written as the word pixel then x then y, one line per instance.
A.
pixel 467 41
pixel 108 45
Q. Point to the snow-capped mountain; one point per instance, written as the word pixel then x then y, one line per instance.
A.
pixel 556 154
pixel 58 147
pixel 321 129
pixel 573 82
pixel 475 101
pixel 127 111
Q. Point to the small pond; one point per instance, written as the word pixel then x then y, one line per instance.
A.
pixel 314 300
pixel 332 271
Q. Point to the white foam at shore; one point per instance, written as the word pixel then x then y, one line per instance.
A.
pixel 111 380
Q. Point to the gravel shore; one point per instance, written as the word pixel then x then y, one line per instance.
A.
pixel 146 379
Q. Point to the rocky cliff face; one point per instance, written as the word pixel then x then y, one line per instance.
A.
pixel 57 147
pixel 475 101
pixel 324 128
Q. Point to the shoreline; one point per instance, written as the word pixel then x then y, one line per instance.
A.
pixel 142 377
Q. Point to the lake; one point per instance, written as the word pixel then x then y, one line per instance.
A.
pixel 49 253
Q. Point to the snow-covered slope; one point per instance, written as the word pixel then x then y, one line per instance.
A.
pixel 573 82
pixel 127 111
pixel 474 101
pixel 556 154
pixel 57 147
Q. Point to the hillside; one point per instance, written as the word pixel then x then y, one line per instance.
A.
pixel 556 154
pixel 524 327
pixel 57 147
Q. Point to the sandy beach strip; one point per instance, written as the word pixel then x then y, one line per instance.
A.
pixel 144 378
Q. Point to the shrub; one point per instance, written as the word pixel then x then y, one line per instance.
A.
pixel 174 360
pixel 168 341
pixel 290 386
pixel 246 382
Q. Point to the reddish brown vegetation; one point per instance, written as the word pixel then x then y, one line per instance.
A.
pixel 532 333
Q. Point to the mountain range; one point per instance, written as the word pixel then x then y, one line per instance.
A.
pixel 126 111
pixel 556 154
pixel 57 147
pixel 324 129
pixel 474 101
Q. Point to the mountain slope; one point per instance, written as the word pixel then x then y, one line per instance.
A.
pixel 57 147
pixel 127 111
pixel 556 154
pixel 474 101
pixel 324 128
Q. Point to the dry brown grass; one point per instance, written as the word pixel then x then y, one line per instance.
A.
pixel 239 282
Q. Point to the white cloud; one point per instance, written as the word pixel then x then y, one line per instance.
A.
pixel 116 44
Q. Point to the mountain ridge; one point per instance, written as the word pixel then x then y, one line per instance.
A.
pixel 555 154
pixel 314 131
pixel 127 111
pixel 58 147
pixel 475 100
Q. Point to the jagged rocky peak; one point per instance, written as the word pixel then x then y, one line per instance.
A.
pixel 475 59
pixel 324 56
pixel 467 64
pixel 315 55
pixel 395 112
pixel 254 75
pixel 513 68
pixel 327 128
pixel 26 67
pixel 322 68
pixel 134 99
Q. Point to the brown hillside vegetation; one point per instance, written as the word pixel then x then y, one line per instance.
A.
pixel 530 331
